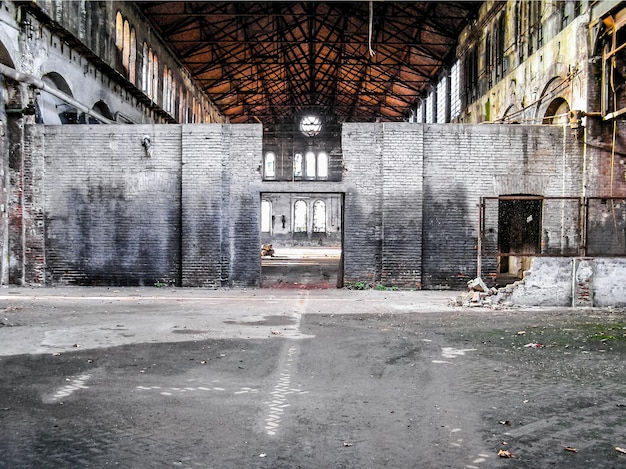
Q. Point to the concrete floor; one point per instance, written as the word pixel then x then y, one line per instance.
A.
pixel 313 267
pixel 271 378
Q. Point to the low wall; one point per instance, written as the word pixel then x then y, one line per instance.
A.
pixel 569 282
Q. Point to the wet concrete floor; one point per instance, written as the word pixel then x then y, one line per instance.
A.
pixel 155 377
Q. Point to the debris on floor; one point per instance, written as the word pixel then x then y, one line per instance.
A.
pixel 505 453
pixel 478 295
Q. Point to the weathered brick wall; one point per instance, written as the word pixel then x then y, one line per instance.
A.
pixel 403 147
pixel 464 163
pixel 202 200
pixel 241 226
pixel 33 206
pixel 112 211
pixel 363 234
pixel 190 213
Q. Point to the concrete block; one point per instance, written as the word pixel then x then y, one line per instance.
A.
pixel 609 287
pixel 550 284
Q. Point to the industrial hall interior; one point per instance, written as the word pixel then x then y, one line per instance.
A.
pixel 410 145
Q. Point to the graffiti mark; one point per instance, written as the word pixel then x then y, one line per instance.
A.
pixel 74 385
pixel 280 393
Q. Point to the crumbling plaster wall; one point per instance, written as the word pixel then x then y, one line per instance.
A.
pixel 93 70
pixel 583 282
pixel 557 69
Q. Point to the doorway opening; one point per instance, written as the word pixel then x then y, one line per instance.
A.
pixel 519 234
pixel 301 240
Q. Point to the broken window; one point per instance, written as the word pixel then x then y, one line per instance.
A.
pixel 519 231
pixel 535 26
pixel 471 75
pixel 488 62
pixel 614 66
pixel 500 65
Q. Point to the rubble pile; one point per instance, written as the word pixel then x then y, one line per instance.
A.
pixel 478 295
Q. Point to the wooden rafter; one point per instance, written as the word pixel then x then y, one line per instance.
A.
pixel 271 60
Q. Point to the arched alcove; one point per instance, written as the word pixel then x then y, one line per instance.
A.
pixel 557 112
pixel 53 110
pixel 511 115
pixel 101 108
pixel 5 57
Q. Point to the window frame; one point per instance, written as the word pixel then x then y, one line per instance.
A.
pixel 269 165
pixel 297 226
pixel 316 228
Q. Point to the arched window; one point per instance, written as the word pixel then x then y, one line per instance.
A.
pixel 145 69
pixel 557 112
pixel 150 81
pixel 181 106
pixel 322 165
pixel 297 165
pixel 266 216
pixel 269 167
pixel 430 117
pixel 442 95
pixel 299 216
pixel 132 59
pixel 310 164
pixel 319 217
pixel 172 88
pixel 167 89
pixel 155 78
pixel 119 31
pixel 455 92
pixel 103 109
pixel 126 45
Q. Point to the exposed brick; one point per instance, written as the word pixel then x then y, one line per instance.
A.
pixel 190 213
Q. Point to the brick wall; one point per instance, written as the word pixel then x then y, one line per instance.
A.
pixel 202 196
pixel 189 213
pixel 242 226
pixel 463 163
pixel 112 211
pixel 33 206
pixel 362 250
pixel 402 177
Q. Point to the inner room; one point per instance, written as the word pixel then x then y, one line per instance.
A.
pixel 301 236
